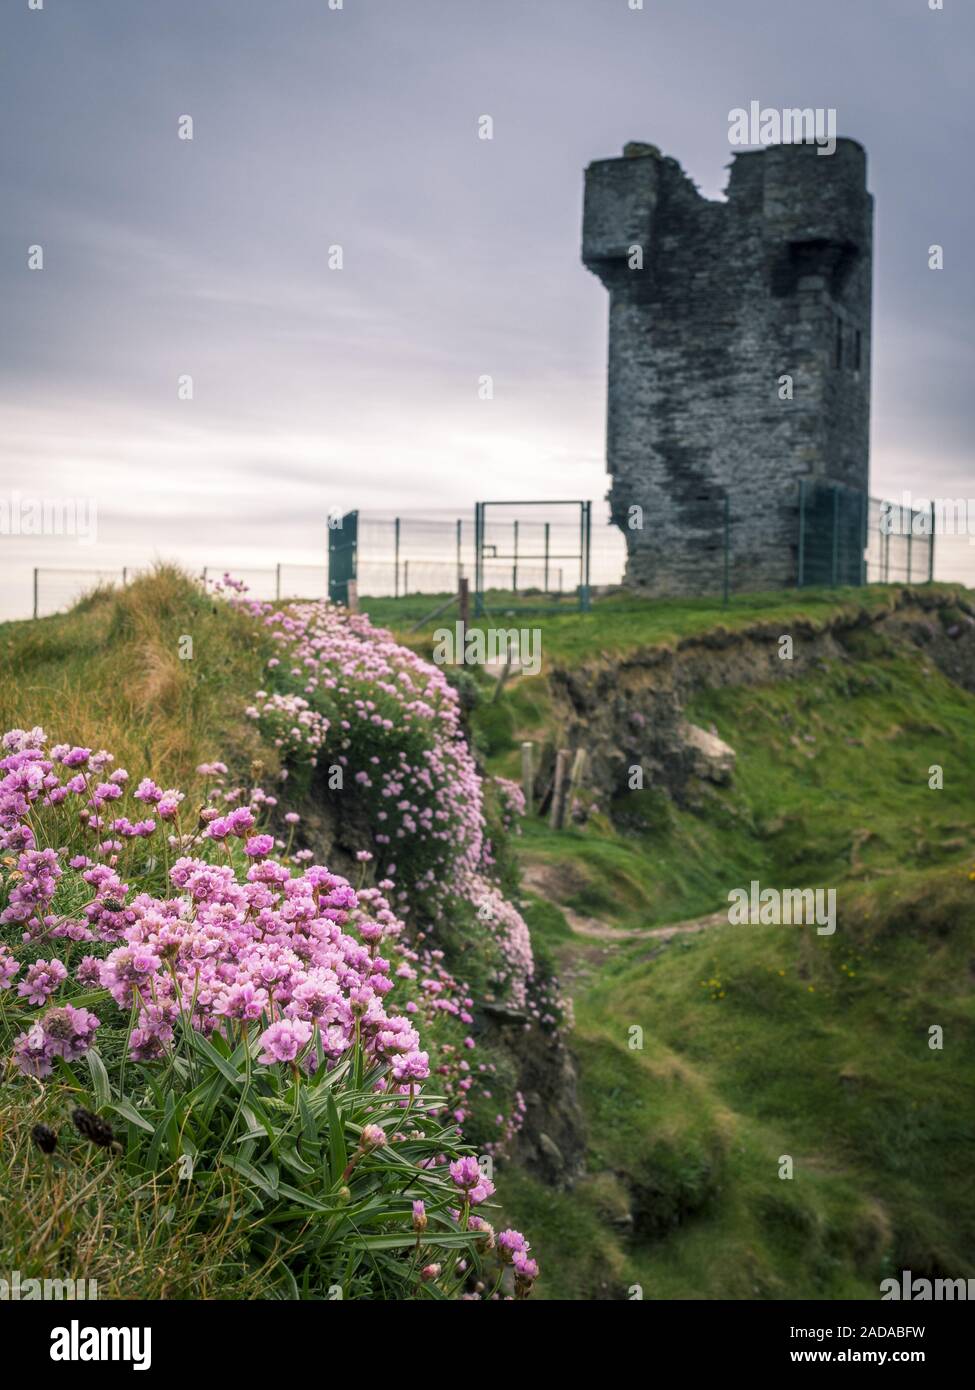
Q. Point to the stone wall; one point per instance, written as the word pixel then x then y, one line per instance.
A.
pixel 730 297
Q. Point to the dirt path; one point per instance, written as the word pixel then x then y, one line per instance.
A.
pixel 548 881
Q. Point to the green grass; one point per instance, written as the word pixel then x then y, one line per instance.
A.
pixel 115 673
pixel 832 782
pixel 757 1042
pixel 762 1042
pixel 620 623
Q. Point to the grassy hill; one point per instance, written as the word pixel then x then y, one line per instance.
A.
pixel 758 1043
pixel 764 1042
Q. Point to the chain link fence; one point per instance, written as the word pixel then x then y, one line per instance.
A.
pixel 57 589
pixel 843 538
pixel 425 554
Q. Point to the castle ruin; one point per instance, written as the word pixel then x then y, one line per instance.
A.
pixel 739 360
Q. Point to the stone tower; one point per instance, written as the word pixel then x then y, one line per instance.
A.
pixel 711 305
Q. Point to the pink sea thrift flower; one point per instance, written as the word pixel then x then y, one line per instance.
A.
pixel 283 1041
pixel 42 979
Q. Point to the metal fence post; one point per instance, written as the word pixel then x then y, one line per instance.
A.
pixel 727 545
pixel 478 559
pixel 514 565
pixel 277 581
pixel 584 598
pixel 910 540
pixel 931 549
pixel 547 534
pixel 35 591
pixel 396 557
pixel 460 551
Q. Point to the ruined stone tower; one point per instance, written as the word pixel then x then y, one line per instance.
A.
pixel 711 305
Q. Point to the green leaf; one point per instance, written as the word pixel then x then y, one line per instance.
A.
pixel 336 1139
pixel 309 1123
pixel 248 1171
pixel 289 1155
pixel 451 1242
pixel 88 1001
pixel 63 1067
pixel 155 1148
pixel 127 1110
pixel 206 1050
pixel 99 1078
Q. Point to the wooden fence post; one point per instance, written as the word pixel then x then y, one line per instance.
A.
pixel 558 789
pixel 527 776
pixel 575 781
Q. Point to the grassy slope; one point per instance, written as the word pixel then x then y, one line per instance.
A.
pixel 761 1042
pixel 808 1046
pixel 109 674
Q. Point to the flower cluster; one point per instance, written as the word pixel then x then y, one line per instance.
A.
pixel 511 800
pixel 229 938
pixel 61 1032
pixel 219 950
pixel 389 724
pixel 511 934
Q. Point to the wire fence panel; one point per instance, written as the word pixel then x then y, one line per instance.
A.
pixel 302 581
pixel 900 544
pixel 422 550
pixel 833 525
pixel 56 590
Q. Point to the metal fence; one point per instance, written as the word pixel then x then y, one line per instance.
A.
pixel 846 537
pixel 55 589
pixel 425 553
pixel 505 551
pixel 843 537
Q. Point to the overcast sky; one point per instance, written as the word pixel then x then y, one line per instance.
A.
pixel 313 127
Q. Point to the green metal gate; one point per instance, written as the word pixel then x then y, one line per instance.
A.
pixel 832 534
pixel 582 556
pixel 343 542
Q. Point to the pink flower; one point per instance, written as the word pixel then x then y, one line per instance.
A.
pixel 43 978
pixel 511 1243
pixel 465 1172
pixel 283 1041
pixel 373 1137
pixel 525 1268
pixel 481 1191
